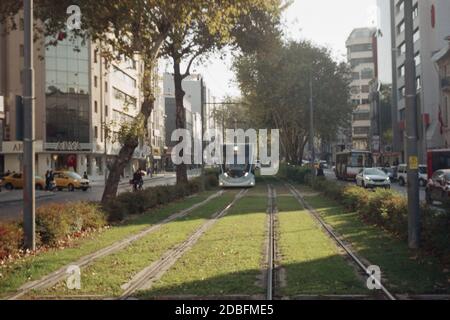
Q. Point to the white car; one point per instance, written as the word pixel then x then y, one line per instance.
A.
pixel 402 175
pixel 373 178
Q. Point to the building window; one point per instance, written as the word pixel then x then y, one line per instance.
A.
pixel 106 86
pixel 416 36
pixel 417 59
pixel 367 74
pixel 416 11
pixel 95 81
pixel 361 116
pixel 96 132
pixel 355 90
pixel 401 27
pixel 106 110
pixel 365 89
pixel 21 50
pixel 95 55
pixel 401 71
pixel 418 83
pixel 360 47
pixel 401 49
pixel 95 106
pixel 400 6
pixel 446 111
pixel 361 130
pixel 401 93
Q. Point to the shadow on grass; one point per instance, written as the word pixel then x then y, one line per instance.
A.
pixel 405 270
pixel 317 277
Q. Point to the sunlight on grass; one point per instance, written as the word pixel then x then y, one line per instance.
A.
pixel 226 260
pixel 403 271
pixel 106 275
pixel 33 268
pixel 309 257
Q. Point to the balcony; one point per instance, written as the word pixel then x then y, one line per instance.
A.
pixel 445 84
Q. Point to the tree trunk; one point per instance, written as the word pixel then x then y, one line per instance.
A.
pixel 126 153
pixel 180 117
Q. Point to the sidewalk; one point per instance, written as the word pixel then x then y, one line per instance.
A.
pixel 99 181
pixel 7 197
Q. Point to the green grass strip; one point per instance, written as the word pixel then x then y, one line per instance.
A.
pixel 405 272
pixel 105 276
pixel 34 267
pixel 309 257
pixel 227 258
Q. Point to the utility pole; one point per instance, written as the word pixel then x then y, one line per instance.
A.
pixel 411 131
pixel 394 98
pixel 28 139
pixel 311 123
pixel 202 116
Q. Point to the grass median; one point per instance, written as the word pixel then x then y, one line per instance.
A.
pixel 106 276
pixel 403 271
pixel 30 268
pixel 227 258
pixel 311 261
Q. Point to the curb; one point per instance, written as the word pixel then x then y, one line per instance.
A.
pixel 13 201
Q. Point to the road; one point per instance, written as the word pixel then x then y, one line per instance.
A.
pixel 329 174
pixel 12 211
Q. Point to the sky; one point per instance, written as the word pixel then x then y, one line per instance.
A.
pixel 325 22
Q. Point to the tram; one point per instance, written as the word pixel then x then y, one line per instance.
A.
pixel 238 166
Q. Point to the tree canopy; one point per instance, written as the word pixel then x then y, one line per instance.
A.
pixel 276 84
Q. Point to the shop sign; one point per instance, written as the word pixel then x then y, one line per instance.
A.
pixel 68 146
pixel 9 147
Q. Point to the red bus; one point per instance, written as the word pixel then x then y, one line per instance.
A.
pixel 348 164
pixel 437 160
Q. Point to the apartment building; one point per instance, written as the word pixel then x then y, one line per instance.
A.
pixel 360 56
pixel 431 27
pixel 442 59
pixel 78 96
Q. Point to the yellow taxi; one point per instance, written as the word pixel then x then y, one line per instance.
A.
pixel 15 181
pixel 70 180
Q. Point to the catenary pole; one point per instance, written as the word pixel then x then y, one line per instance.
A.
pixel 28 139
pixel 411 130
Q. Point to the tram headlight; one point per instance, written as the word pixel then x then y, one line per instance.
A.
pixel 246 174
pixel 226 175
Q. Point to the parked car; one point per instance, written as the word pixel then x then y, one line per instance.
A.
pixel 15 181
pixel 438 187
pixel 390 173
pixel 70 180
pixel 402 175
pixel 373 178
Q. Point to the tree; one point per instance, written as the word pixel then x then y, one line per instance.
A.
pixel 276 84
pixel 200 32
pixel 119 28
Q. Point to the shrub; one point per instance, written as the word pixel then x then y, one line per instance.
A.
pixel 11 236
pixel 294 173
pixel 131 203
pixel 54 222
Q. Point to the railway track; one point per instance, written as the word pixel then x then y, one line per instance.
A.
pixel 146 277
pixel 59 275
pixel 271 249
pixel 353 257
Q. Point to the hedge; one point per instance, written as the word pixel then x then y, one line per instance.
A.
pixel 388 210
pixel 54 224
pixel 138 202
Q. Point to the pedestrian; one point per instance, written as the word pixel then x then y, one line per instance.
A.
pixel 47 180
pixel 320 172
pixel 85 176
pixel 137 180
